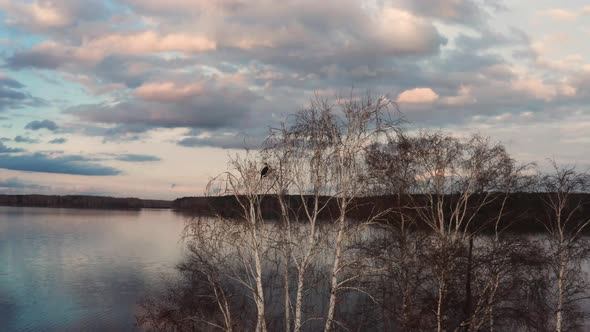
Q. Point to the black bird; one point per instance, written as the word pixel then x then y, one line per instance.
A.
pixel 264 171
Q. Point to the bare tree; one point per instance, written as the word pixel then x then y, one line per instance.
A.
pixel 363 122
pixel 244 183
pixel 302 153
pixel 565 224
pixel 456 188
pixel 321 153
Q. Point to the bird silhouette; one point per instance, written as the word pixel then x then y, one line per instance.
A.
pixel 264 171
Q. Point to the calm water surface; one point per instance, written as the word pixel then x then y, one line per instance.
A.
pixel 72 270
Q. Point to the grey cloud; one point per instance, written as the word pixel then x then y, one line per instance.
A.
pixel 466 61
pixel 16 183
pixel 122 131
pixel 60 140
pixel 45 124
pixel 215 108
pixel 13 95
pixel 110 133
pixel 9 94
pixel 329 28
pixel 10 83
pixel 24 139
pixel 6 149
pixel 115 68
pixel 65 14
pixel 310 50
pixel 223 141
pixel 111 69
pixel 489 38
pixel 69 164
pixel 137 158
pixel 310 34
pixel 468 12
pixel 35 59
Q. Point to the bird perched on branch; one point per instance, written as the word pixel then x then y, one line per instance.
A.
pixel 264 171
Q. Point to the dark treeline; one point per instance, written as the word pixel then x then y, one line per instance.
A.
pixel 81 202
pixel 525 212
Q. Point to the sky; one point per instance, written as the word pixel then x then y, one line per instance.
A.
pixel 148 98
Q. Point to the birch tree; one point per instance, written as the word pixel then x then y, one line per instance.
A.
pixel 249 241
pixel 363 121
pixel 302 152
pixel 451 183
pixel 565 225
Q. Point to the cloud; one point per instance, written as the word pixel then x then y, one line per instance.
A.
pixel 227 142
pixel 543 90
pixel 219 105
pixel 39 15
pixel 6 149
pixel 466 12
pixel 418 95
pixel 289 34
pixel 558 14
pixel 401 32
pixel 110 132
pixel 230 66
pixel 487 39
pixel 168 91
pixel 149 42
pixel 204 113
pixel 60 140
pixel 137 158
pixel 24 139
pixel 16 183
pixel 69 164
pixel 45 124
pixel 8 82
pixel 463 97
pixel 51 54
pixel 13 95
pixel 42 14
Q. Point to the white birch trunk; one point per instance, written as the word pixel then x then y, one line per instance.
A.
pixel 335 268
pixel 560 281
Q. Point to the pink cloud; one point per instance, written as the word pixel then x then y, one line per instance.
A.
pixel 418 95
pixel 150 42
pixel 558 14
pixel 92 51
pixel 38 13
pixel 400 31
pixel 168 91
pixel 539 89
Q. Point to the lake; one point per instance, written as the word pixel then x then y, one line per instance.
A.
pixel 71 270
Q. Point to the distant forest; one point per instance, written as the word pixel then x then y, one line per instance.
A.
pixel 524 211
pixel 81 202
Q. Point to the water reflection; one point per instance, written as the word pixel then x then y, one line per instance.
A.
pixel 67 269
pixel 389 280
